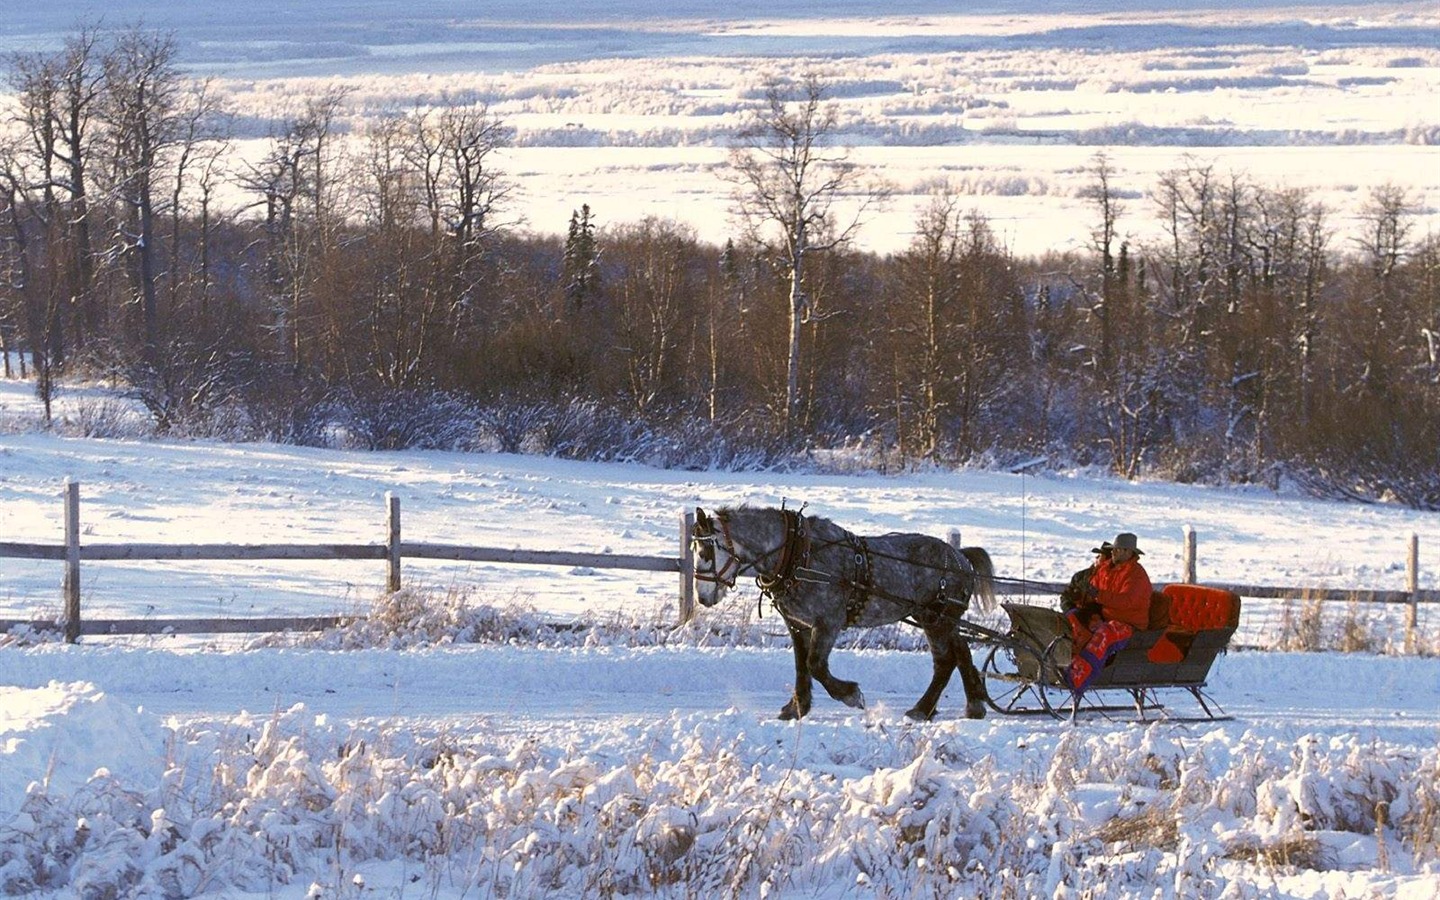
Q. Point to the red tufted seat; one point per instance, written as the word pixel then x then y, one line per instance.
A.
pixel 1195 607
pixel 1181 613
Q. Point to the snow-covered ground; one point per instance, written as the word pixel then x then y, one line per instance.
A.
pixel 646 761
pixel 640 761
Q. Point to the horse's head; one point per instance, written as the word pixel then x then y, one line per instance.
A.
pixel 713 557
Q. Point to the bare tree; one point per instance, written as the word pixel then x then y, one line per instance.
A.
pixel 927 285
pixel 1288 242
pixel 452 151
pixel 201 145
pixel 32 293
pixel 140 106
pixel 653 305
pixel 14 264
pixel 1104 239
pixel 1384 245
pixel 1425 261
pixel 788 180
pixel 1386 215
pixel 1187 199
pixel 293 185
pixel 59 95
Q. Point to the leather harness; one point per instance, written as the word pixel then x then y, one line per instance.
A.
pixel 794 566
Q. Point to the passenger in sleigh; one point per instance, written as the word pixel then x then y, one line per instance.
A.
pixel 1105 605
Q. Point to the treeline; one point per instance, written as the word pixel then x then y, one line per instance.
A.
pixel 369 288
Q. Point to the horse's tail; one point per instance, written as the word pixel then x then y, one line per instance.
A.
pixel 984 576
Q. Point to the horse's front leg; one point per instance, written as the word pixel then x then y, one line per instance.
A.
pixel 799 703
pixel 822 640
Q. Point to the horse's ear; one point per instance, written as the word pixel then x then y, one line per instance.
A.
pixel 700 516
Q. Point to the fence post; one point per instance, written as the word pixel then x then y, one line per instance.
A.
pixel 392 515
pixel 687 568
pixel 71 583
pixel 1412 584
pixel 1188 574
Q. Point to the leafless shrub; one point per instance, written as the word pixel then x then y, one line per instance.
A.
pixel 422 616
pixel 1420 827
pixel 382 419
pixel 32 635
pixel 1301 629
pixel 1358 633
pixel 1296 851
pixel 1152 827
pixel 105 417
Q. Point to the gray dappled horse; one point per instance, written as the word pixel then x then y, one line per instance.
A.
pixel 823 579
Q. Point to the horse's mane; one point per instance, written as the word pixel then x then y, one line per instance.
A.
pixel 816 524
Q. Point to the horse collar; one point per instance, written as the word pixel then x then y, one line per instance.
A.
pixel 794 552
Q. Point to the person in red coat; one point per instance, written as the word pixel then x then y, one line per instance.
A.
pixel 1118 603
pixel 1122 586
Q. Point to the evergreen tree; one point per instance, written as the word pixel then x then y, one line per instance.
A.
pixel 582 259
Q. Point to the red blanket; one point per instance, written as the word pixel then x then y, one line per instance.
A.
pixel 1107 639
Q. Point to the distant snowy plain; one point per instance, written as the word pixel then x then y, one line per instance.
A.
pixel 653 765
pixel 630 106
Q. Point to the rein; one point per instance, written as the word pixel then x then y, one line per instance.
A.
pixel 862 590
pixel 1026 584
pixel 863 587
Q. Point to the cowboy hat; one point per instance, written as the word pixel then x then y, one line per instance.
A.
pixel 1105 547
pixel 1126 541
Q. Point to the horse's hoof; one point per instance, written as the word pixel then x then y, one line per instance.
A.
pixel 855 699
pixel 792 711
pixel 974 710
pixel 919 715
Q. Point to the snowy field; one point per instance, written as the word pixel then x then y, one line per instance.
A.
pixel 631 109
pixel 640 761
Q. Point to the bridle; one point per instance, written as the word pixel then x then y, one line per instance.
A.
pixel 721 575
pixel 794 552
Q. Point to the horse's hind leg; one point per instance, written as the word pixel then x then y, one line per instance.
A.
pixel 799 703
pixel 942 656
pixel 975 693
pixel 822 640
pixel 948 653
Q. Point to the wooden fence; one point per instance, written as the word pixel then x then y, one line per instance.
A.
pixel 72 553
pixel 394 550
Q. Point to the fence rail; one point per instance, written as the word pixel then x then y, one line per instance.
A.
pixel 394 550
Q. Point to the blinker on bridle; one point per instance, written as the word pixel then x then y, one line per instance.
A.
pixel 720 575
